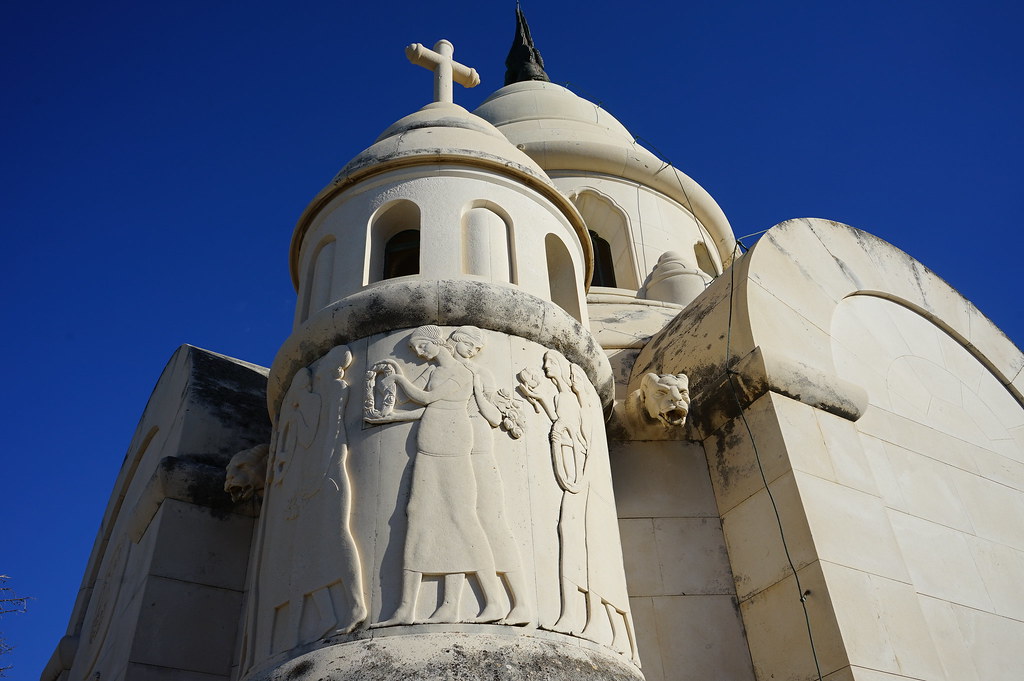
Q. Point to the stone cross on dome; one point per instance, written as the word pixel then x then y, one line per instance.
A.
pixel 439 60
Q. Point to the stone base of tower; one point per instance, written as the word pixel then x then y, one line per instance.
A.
pixel 452 652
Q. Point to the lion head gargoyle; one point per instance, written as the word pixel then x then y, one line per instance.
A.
pixel 662 402
pixel 247 473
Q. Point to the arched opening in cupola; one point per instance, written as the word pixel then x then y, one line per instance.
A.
pixel 394 242
pixel 402 254
pixel 614 264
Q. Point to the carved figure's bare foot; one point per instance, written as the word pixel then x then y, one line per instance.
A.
pixel 401 616
pixel 588 631
pixel 447 613
pixel 356 617
pixel 563 624
pixel 521 616
pixel 492 613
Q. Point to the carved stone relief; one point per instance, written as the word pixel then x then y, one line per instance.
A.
pixel 564 395
pixel 659 406
pixel 308 481
pixel 456 511
pixel 247 473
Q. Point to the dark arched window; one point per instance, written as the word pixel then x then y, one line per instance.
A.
pixel 604 266
pixel 402 254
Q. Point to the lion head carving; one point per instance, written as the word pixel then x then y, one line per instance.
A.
pixel 247 473
pixel 665 398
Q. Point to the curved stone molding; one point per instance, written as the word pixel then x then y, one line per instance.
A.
pixel 446 652
pixel 757 373
pixel 394 305
pixel 809 266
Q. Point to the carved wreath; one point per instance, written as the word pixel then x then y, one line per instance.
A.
pixel 370 409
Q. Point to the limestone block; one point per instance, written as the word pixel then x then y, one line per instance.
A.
pixel 733 460
pixel 661 480
pixel 1018 437
pixel 755 546
pixel 994 643
pixel 1003 406
pixel 881 622
pixel 883 471
pixel 846 455
pixel 927 488
pixel 701 638
pixel 787 437
pixel 1003 467
pixel 993 344
pixel 197 546
pixel 950 645
pixel 854 359
pixel 640 557
pixel 803 265
pixel 996 511
pixel 933 554
pixel 836 513
pixel 1000 568
pixel 647 640
pixel 777 629
pixel 187 626
pixel 675 556
pixel 915 436
pixel 963 364
pixel 692 556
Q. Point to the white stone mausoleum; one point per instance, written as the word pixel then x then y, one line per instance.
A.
pixel 540 416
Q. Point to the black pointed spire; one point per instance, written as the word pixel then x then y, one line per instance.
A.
pixel 523 61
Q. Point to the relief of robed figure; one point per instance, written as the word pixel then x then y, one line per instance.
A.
pixel 455 512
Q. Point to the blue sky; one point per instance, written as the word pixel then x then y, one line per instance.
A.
pixel 155 157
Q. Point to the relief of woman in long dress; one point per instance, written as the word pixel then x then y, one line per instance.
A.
pixel 444 535
pixel 484 415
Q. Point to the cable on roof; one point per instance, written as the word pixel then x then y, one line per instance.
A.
pixel 730 373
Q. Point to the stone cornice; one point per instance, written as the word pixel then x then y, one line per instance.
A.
pixel 408 303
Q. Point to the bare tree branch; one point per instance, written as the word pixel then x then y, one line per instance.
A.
pixel 9 602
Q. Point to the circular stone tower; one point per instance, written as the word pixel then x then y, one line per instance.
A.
pixel 439 497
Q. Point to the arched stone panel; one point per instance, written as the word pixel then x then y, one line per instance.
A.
pixel 562 276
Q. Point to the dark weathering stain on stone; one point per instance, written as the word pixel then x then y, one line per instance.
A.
pixel 299 670
pixel 456 661
pixel 236 394
pixel 202 476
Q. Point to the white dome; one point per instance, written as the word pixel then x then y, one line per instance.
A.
pixel 567 134
pixel 441 132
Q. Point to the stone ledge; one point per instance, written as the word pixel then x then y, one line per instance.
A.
pixel 756 374
pixel 191 481
pixel 461 652
pixel 406 304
